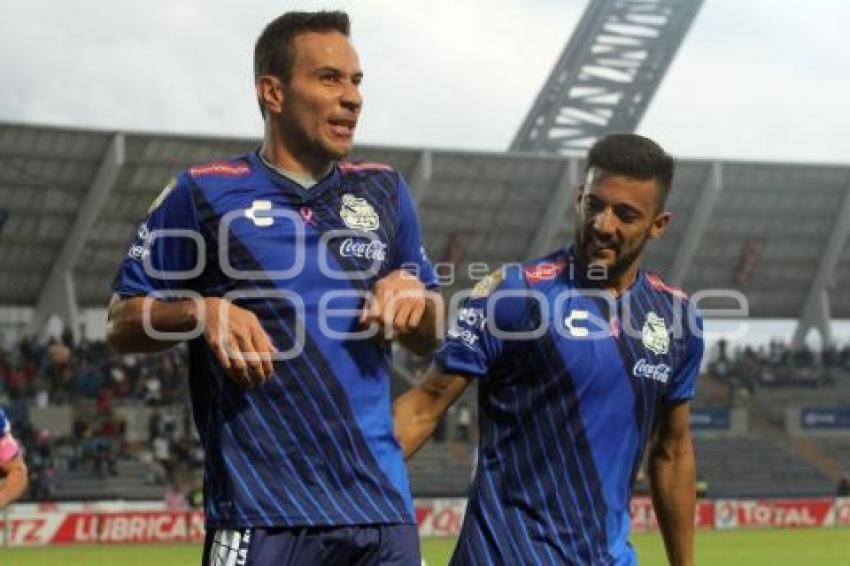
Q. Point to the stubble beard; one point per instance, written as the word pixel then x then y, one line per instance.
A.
pixel 607 273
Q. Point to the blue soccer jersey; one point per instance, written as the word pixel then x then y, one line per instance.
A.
pixel 314 445
pixel 570 380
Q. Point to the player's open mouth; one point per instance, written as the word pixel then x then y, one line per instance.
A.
pixel 600 247
pixel 342 127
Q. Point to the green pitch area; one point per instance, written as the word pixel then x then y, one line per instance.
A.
pixel 824 547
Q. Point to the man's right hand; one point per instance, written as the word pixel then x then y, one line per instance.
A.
pixel 239 342
pixel 235 335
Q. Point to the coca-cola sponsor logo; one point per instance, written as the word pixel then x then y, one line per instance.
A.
pixel 646 370
pixel 373 250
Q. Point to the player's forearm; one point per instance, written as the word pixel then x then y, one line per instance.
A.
pixel 14 484
pixel 429 334
pixel 672 478
pixel 126 333
pixel 414 424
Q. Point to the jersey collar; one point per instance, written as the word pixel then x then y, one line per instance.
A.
pixel 290 187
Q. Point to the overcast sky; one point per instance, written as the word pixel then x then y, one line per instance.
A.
pixel 754 79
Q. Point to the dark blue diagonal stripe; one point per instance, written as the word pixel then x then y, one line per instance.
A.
pixel 289 460
pixel 544 416
pixel 238 249
pixel 259 478
pixel 532 401
pixel 631 349
pixel 304 433
pixel 315 361
pixel 587 476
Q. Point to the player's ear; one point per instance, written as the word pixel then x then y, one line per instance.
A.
pixel 659 224
pixel 579 194
pixel 270 93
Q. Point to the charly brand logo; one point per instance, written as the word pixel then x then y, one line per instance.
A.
pixel 571 323
pixel 655 335
pixel 260 206
pixel 358 214
pixel 646 370
pixel 373 250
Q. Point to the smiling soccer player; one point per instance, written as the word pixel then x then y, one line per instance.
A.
pixel 582 360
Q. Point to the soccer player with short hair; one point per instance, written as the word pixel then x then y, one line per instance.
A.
pixel 13 470
pixel 582 359
pixel 276 263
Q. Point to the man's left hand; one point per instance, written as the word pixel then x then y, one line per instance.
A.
pixel 396 304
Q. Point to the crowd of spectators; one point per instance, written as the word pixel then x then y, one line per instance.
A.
pixel 776 364
pixel 93 381
pixel 60 372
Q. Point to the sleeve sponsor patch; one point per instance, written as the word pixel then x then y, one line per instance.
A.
pixel 543 271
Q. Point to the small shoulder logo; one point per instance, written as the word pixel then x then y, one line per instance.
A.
pixel 358 214
pixel 162 195
pixel 486 286
pixel 655 335
pixel 260 206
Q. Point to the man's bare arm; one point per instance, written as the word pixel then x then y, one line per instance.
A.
pixel 417 412
pixel 235 335
pixel 672 478
pixel 15 480
pixel 125 332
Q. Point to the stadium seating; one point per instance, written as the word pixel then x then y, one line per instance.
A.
pixel 133 481
pixel 755 467
pixel 839 450
pixel 441 469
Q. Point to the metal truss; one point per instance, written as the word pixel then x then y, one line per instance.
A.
pixel 607 74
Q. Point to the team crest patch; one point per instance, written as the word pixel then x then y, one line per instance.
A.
pixel 358 214
pixel 655 335
pixel 484 287
pixel 163 194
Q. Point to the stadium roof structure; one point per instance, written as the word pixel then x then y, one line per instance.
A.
pixel 777 233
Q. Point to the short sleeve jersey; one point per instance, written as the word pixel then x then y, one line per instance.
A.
pixel 570 383
pixel 315 444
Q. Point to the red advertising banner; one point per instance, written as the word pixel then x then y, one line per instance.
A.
pixel 154 526
pixel 643 515
pixel 440 517
pixel 120 522
pixel 62 527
